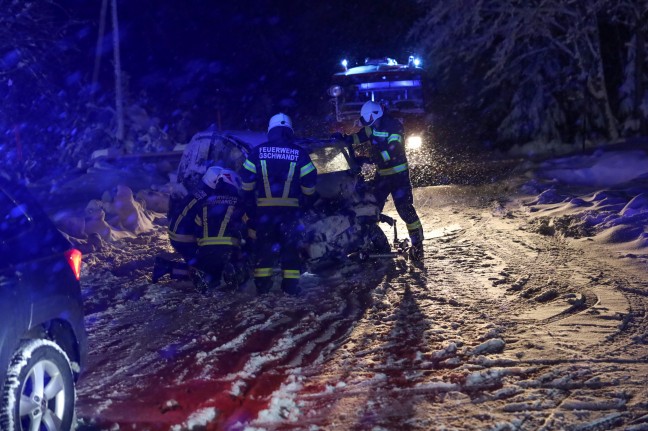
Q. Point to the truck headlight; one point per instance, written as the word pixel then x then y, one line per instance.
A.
pixel 413 142
pixel 335 91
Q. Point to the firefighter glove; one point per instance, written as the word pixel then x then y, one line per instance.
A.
pixel 341 137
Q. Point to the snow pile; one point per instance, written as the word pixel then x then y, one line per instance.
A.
pixel 601 197
pixel 118 214
pixel 197 419
pixel 599 169
pixel 282 406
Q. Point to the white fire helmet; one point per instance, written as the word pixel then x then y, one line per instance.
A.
pixel 280 120
pixel 216 173
pixel 370 112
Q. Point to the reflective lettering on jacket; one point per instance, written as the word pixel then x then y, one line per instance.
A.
pixel 278 173
pixel 279 153
pixel 220 219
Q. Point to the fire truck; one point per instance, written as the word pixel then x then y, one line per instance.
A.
pixel 398 87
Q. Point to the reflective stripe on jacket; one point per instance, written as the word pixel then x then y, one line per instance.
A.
pixel 181 218
pixel 219 221
pixel 388 151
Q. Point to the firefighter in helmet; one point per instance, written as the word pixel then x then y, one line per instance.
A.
pixel 385 134
pixel 219 230
pixel 207 227
pixel 278 177
pixel 183 207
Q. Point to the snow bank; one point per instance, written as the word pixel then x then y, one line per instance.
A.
pixel 601 197
pixel 113 195
pixel 115 217
pixel 600 169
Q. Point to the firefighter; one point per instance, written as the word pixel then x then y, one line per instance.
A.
pixel 182 212
pixel 385 134
pixel 278 177
pixel 219 229
pixel 181 216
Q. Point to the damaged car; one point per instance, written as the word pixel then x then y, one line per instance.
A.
pixel 342 225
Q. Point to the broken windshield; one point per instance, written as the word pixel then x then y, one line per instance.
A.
pixel 329 159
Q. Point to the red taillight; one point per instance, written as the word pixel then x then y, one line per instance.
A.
pixel 74 259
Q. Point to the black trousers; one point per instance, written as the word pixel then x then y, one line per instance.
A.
pixel 400 188
pixel 278 234
pixel 186 249
pixel 213 258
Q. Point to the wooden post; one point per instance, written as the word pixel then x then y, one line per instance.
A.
pixel 119 102
pixel 640 57
pixel 100 36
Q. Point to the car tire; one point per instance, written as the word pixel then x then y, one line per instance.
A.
pixel 48 401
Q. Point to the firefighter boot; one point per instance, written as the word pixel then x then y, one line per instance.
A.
pixel 179 270
pixel 263 284
pixel 416 250
pixel 291 287
pixel 290 281
pixel 230 277
pixel 202 281
pixel 161 267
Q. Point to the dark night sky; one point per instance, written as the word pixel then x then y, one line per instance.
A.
pixel 249 48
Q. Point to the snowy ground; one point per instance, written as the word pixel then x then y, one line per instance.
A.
pixel 528 312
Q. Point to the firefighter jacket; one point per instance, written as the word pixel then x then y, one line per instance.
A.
pixel 387 148
pixel 182 212
pixel 219 219
pixel 279 172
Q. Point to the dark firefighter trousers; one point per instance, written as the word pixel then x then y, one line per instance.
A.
pixel 400 188
pixel 277 236
pixel 212 259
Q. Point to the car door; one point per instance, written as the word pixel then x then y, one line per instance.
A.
pixel 14 306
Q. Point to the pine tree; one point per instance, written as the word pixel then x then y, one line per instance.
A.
pixel 633 93
pixel 34 49
pixel 536 65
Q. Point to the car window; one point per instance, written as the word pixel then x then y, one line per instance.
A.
pixel 330 159
pixel 13 218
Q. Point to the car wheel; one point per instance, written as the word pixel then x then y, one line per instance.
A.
pixel 39 392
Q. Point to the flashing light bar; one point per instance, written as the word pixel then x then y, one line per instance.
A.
pixel 390 84
pixel 414 61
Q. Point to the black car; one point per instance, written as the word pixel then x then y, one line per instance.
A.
pixel 42 335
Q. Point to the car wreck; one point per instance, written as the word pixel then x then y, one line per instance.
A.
pixel 341 225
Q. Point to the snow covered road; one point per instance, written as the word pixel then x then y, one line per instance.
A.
pixel 500 328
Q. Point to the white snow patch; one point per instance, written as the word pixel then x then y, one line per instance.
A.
pixel 282 406
pixel 494 345
pixel 599 169
pixel 610 207
pixel 199 418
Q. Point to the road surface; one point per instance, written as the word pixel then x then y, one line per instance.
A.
pixel 499 328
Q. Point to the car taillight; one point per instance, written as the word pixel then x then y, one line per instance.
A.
pixel 74 259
